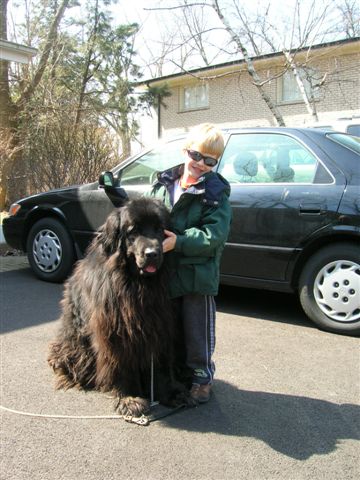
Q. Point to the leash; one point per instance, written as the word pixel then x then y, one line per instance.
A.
pixel 43 415
pixel 152 402
pixel 143 420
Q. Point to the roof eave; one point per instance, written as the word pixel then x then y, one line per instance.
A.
pixel 15 52
pixel 342 46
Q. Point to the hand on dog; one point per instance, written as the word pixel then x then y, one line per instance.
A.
pixel 169 242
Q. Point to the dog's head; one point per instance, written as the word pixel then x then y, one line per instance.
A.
pixel 136 230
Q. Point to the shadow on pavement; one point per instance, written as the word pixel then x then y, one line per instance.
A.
pixel 297 427
pixel 26 301
pixel 262 305
pixel 22 292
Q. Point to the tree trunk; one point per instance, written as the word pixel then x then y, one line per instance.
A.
pixel 8 150
pixel 51 38
pixel 13 174
pixel 250 66
pixel 87 75
pixel 309 107
pixel 5 100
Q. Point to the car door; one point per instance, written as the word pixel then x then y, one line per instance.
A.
pixel 281 193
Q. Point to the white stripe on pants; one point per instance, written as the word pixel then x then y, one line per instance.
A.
pixel 198 314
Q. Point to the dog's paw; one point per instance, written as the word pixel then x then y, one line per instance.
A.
pixel 132 406
pixel 54 362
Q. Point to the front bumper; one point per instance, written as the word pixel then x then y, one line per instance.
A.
pixel 13 229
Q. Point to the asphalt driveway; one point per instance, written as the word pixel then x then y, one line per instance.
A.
pixel 285 403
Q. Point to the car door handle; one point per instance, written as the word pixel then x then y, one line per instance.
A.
pixel 312 208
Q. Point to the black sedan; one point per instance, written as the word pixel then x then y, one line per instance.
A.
pixel 296 217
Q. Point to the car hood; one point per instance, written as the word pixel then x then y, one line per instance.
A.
pixel 60 191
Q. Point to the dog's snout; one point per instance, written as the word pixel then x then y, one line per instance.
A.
pixel 151 253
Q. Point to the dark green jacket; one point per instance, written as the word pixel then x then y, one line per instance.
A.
pixel 201 220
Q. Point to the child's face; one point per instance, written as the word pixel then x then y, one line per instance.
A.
pixel 194 168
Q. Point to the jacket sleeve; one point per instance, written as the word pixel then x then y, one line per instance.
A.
pixel 213 232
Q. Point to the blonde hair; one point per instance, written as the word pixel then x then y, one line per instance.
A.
pixel 208 137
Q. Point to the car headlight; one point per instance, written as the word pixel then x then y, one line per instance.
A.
pixel 14 208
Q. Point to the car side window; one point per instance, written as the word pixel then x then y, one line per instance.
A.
pixel 143 170
pixel 269 158
pixel 353 130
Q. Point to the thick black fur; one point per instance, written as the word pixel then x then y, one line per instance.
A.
pixel 117 315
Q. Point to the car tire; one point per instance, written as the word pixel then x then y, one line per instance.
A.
pixel 329 288
pixel 50 250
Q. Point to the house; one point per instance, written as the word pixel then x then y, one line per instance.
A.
pixel 225 95
pixel 15 52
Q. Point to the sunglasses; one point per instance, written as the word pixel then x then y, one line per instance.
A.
pixel 197 156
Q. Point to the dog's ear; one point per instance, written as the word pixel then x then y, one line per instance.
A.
pixel 164 214
pixel 110 234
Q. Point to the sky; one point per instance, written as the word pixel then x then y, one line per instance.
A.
pixel 280 15
pixel 155 25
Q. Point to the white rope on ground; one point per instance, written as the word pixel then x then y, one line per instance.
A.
pixel 139 420
pixel 142 420
pixel 29 414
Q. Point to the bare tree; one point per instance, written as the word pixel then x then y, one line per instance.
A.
pixel 249 64
pixel 293 31
pixel 188 38
pixel 312 23
pixel 350 16
pixel 240 48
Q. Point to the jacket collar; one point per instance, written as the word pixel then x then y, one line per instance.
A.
pixel 211 184
pixel 168 177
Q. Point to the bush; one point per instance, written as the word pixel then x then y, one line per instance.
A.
pixel 60 155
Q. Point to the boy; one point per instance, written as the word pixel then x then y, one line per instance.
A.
pixel 200 211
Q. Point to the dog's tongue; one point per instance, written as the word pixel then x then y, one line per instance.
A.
pixel 150 269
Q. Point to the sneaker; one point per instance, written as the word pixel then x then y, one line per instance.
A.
pixel 200 393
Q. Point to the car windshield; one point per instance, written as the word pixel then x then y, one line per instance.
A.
pixel 140 173
pixel 348 141
pixel 162 156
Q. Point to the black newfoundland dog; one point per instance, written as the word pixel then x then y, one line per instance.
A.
pixel 117 323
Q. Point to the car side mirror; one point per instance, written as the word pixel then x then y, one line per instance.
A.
pixel 109 184
pixel 106 179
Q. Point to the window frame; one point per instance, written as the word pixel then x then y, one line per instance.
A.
pixel 192 86
pixel 299 99
pixel 318 165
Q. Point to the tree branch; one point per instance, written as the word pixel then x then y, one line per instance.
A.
pixel 45 55
pixel 178 6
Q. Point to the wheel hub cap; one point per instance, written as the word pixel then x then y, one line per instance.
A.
pixel 337 290
pixel 47 250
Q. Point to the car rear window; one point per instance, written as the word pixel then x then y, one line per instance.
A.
pixel 348 141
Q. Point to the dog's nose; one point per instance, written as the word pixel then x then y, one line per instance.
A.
pixel 151 253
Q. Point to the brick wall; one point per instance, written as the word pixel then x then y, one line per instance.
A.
pixel 235 101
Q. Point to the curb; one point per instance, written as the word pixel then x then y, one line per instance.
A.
pixel 7 264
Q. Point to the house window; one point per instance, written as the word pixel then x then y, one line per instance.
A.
pixel 195 97
pixel 290 91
